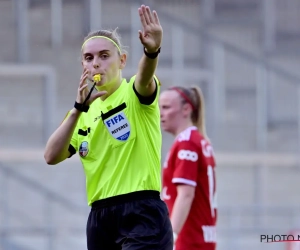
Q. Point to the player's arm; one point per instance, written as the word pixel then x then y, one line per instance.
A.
pixel 151 38
pixel 182 206
pixel 57 147
pixel 185 177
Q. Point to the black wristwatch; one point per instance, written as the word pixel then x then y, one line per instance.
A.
pixel 81 107
pixel 152 55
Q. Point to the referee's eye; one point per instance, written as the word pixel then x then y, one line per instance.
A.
pixel 104 56
pixel 88 58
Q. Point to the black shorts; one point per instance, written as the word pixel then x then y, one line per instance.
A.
pixel 135 221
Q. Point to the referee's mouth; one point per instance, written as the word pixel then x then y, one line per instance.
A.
pixel 97 74
pixel 100 79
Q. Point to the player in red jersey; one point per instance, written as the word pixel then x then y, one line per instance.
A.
pixel 189 182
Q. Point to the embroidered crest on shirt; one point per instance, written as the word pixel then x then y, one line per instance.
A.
pixel 83 149
pixel 118 126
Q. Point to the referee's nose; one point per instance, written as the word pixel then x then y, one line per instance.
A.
pixel 96 64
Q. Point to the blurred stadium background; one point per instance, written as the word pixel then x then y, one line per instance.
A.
pixel 244 54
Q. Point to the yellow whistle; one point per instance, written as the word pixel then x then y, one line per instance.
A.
pixel 97 78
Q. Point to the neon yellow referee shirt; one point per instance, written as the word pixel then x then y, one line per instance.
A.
pixel 119 144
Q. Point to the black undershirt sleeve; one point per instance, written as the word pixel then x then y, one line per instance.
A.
pixel 146 100
pixel 72 151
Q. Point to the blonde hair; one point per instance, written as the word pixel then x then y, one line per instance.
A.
pixel 110 34
pixel 195 98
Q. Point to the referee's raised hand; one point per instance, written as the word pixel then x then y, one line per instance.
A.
pixel 83 90
pixel 152 33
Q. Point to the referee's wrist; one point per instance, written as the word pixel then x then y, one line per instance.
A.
pixel 75 111
pixel 152 54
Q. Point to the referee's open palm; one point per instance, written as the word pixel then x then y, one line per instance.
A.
pixel 151 35
pixel 83 90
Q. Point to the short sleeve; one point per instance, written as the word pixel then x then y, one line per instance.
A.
pixel 74 140
pixel 154 99
pixel 186 163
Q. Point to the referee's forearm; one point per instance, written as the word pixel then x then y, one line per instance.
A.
pixel 57 146
pixel 146 70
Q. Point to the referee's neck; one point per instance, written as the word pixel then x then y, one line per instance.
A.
pixel 112 89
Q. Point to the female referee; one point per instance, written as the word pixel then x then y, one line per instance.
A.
pixel 189 183
pixel 117 135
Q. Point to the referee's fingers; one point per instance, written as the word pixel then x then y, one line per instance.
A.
pixel 83 87
pixel 83 78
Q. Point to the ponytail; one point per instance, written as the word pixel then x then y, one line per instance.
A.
pixel 195 98
pixel 198 115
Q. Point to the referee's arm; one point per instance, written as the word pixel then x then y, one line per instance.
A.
pixel 144 80
pixel 57 147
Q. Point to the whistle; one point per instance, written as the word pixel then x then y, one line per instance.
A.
pixel 97 78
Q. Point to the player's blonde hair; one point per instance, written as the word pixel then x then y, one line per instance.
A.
pixel 195 98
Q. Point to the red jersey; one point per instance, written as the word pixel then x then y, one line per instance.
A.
pixel 190 161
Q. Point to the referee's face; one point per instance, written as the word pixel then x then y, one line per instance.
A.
pixel 170 111
pixel 100 56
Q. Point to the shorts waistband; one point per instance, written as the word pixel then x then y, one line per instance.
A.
pixel 119 199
